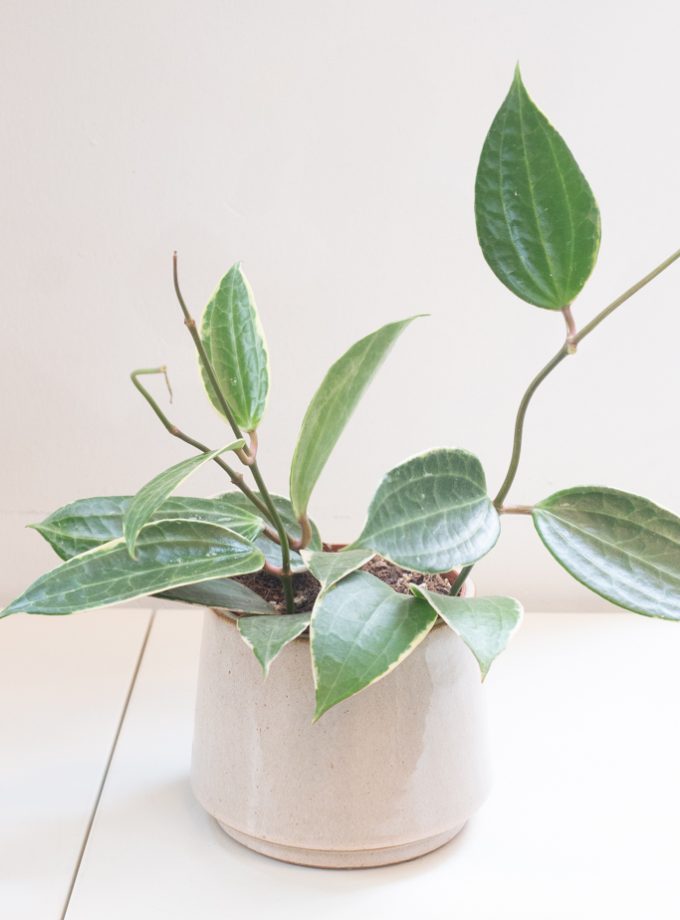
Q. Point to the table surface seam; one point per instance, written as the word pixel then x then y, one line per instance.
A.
pixel 107 766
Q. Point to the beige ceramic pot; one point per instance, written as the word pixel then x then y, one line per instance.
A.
pixel 385 776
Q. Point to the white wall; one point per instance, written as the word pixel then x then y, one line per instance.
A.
pixel 332 147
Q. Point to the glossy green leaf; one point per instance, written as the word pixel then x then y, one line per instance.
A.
pixel 89 522
pixel 266 636
pixel 621 546
pixel 152 495
pixel 271 550
pixel 432 513
pixel 332 406
pixel 272 553
pixel 537 220
pixel 329 568
pixel 234 342
pixel 361 629
pixel 224 593
pixel 485 624
pixel 169 554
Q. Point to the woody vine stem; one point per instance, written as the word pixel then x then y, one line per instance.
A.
pixel 574 337
pixel 248 456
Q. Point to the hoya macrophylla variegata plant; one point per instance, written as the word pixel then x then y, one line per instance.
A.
pixel 539 230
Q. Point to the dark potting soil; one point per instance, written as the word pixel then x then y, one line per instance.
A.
pixel 306 587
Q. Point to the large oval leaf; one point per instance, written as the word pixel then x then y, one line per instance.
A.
pixel 170 553
pixel 485 624
pixel 432 513
pixel 89 522
pixel 225 593
pixel 537 220
pixel 267 636
pixel 152 495
pixel 272 550
pixel 621 546
pixel 332 406
pixel 234 343
pixel 361 629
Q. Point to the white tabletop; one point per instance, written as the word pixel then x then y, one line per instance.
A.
pixel 583 821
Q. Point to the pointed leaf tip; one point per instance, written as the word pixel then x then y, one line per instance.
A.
pixel 170 554
pixel 332 406
pixel 485 624
pixel 267 636
pixel 152 495
pixel 330 568
pixel 234 342
pixel 361 630
pixel 537 220
pixel 90 522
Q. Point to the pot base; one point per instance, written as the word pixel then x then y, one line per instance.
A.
pixel 343 859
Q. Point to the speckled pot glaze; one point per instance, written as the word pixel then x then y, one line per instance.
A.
pixel 390 774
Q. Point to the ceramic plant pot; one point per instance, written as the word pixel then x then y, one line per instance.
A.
pixel 390 774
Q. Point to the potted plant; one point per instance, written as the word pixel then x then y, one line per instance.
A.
pixel 303 766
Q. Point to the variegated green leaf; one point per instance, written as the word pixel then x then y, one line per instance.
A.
pixel 234 342
pixel 267 636
pixel 224 593
pixel 621 546
pixel 170 553
pixel 361 629
pixel 432 513
pixel 152 495
pixel 332 406
pixel 89 522
pixel 329 568
pixel 485 624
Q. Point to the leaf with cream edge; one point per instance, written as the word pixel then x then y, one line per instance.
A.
pixel 272 550
pixel 361 629
pixel 224 593
pixel 152 495
pixel 170 553
pixel 234 343
pixel 332 406
pixel 89 522
pixel 537 219
pixel 329 568
pixel 485 624
pixel 432 513
pixel 621 546
pixel 267 636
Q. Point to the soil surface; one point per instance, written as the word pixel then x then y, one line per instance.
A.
pixel 306 587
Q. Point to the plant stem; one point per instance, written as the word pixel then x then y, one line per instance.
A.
pixel 569 348
pixel 235 477
pixel 573 339
pixel 588 328
pixel 571 328
pixel 461 578
pixel 286 576
pixel 306 532
pixel 248 458
pixel 519 423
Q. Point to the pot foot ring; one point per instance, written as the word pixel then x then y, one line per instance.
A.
pixel 343 859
